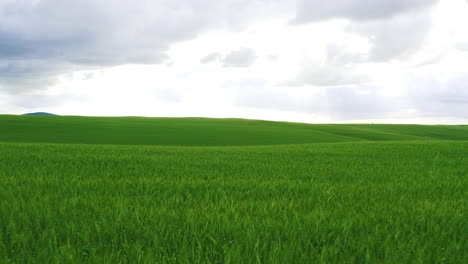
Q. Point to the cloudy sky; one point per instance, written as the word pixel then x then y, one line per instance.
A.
pixel 392 61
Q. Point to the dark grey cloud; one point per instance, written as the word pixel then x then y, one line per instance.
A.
pixel 12 46
pixel 359 10
pixel 243 57
pixel 22 76
pixel 46 37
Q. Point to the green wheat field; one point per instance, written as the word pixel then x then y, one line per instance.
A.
pixel 198 190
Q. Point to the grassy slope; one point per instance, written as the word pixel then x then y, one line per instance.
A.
pixel 205 132
pixel 366 202
pixel 352 201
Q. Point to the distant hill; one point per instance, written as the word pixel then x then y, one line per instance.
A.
pixel 40 114
pixel 206 131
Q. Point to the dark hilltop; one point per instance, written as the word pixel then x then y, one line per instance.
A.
pixel 40 114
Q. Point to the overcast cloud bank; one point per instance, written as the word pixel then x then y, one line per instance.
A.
pixel 343 60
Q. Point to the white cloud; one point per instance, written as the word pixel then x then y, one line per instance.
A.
pixel 243 57
pixel 323 74
pixel 65 34
pixel 344 61
pixel 395 38
pixel 211 57
pixel 462 46
pixel 439 96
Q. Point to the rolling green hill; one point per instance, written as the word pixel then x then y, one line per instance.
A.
pixel 205 131
pixel 199 190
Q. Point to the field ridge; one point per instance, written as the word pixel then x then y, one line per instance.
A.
pixel 207 131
